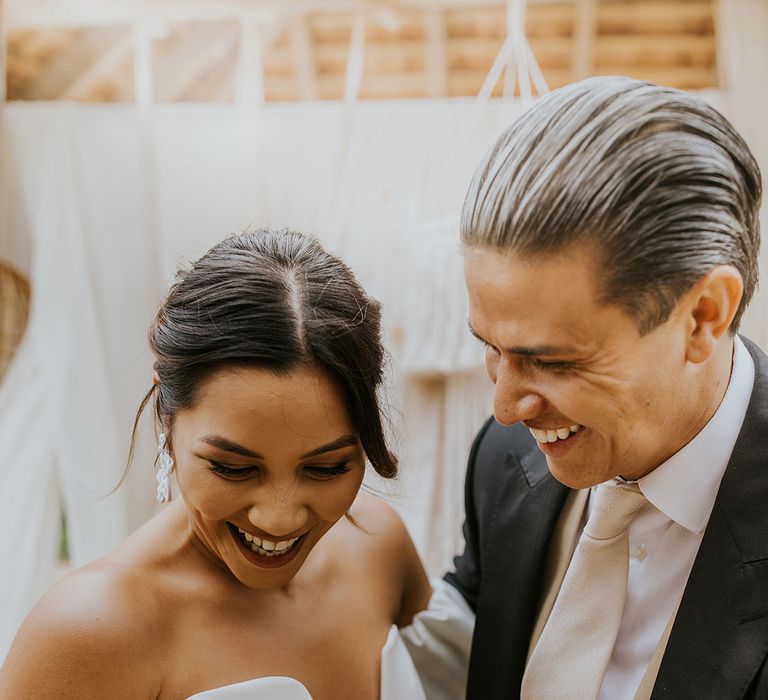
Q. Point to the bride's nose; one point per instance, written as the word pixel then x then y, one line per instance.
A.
pixel 278 515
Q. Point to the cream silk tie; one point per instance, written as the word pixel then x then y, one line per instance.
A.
pixel 571 656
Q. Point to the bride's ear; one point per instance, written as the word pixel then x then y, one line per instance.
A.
pixel 155 379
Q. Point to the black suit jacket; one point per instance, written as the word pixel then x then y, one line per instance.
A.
pixel 719 642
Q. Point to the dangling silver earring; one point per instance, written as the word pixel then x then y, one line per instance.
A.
pixel 164 472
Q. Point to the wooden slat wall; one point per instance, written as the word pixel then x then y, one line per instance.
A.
pixel 666 41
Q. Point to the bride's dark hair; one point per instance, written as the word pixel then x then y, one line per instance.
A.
pixel 277 300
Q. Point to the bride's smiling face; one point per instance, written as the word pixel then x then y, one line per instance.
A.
pixel 266 464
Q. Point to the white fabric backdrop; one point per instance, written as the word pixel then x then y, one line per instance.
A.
pixel 743 61
pixel 111 206
pixel 110 199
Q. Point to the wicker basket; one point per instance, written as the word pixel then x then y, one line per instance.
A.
pixel 14 310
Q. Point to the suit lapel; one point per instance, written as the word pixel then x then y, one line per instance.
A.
pixel 720 635
pixel 525 512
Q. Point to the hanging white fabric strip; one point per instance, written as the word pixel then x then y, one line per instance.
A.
pixel 437 59
pixel 144 85
pixel 539 81
pixel 499 66
pixel 353 78
pixel 249 80
pixel 304 60
pixel 250 99
pixel 143 77
pixel 515 59
pixel 29 500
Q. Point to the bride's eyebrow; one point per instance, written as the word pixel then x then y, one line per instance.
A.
pixel 226 445
pixel 344 441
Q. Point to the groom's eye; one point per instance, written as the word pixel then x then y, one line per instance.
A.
pixel 553 365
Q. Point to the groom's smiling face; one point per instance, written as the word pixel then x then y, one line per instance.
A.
pixel 600 399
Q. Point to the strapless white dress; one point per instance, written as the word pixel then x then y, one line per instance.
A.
pixel 399 680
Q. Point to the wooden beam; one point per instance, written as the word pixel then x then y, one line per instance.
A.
pixel 685 78
pixel 40 13
pixel 303 57
pixel 656 50
pixel 376 86
pixel 62 60
pixel 385 57
pixel 195 52
pixel 217 84
pixel 654 17
pixel 437 59
pixel 83 86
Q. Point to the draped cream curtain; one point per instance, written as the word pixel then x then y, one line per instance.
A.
pixel 107 201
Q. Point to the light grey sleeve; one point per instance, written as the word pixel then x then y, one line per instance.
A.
pixel 439 640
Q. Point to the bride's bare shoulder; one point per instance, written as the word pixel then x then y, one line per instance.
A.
pixel 390 553
pixel 96 633
pixel 372 512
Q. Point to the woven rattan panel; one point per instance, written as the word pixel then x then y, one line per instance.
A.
pixel 14 311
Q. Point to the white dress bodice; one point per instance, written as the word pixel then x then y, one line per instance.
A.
pixel 399 680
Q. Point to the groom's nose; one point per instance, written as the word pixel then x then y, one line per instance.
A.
pixel 514 399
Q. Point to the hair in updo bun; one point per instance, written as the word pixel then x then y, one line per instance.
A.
pixel 277 300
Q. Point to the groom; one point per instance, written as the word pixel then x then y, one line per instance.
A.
pixel 617 502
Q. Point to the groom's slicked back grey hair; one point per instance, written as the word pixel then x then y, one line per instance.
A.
pixel 657 179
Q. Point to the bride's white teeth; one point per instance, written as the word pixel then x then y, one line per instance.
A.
pixel 267 548
pixel 563 433
pixel 551 435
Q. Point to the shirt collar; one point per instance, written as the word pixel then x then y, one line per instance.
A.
pixel 684 487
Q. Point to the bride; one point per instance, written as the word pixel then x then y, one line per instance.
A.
pixel 271 577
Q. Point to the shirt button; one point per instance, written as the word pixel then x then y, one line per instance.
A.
pixel 640 552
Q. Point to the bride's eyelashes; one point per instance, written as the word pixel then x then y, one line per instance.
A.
pixel 314 472
pixel 231 472
pixel 330 471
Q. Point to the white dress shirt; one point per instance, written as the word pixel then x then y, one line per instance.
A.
pixel 664 539
pixel 665 536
